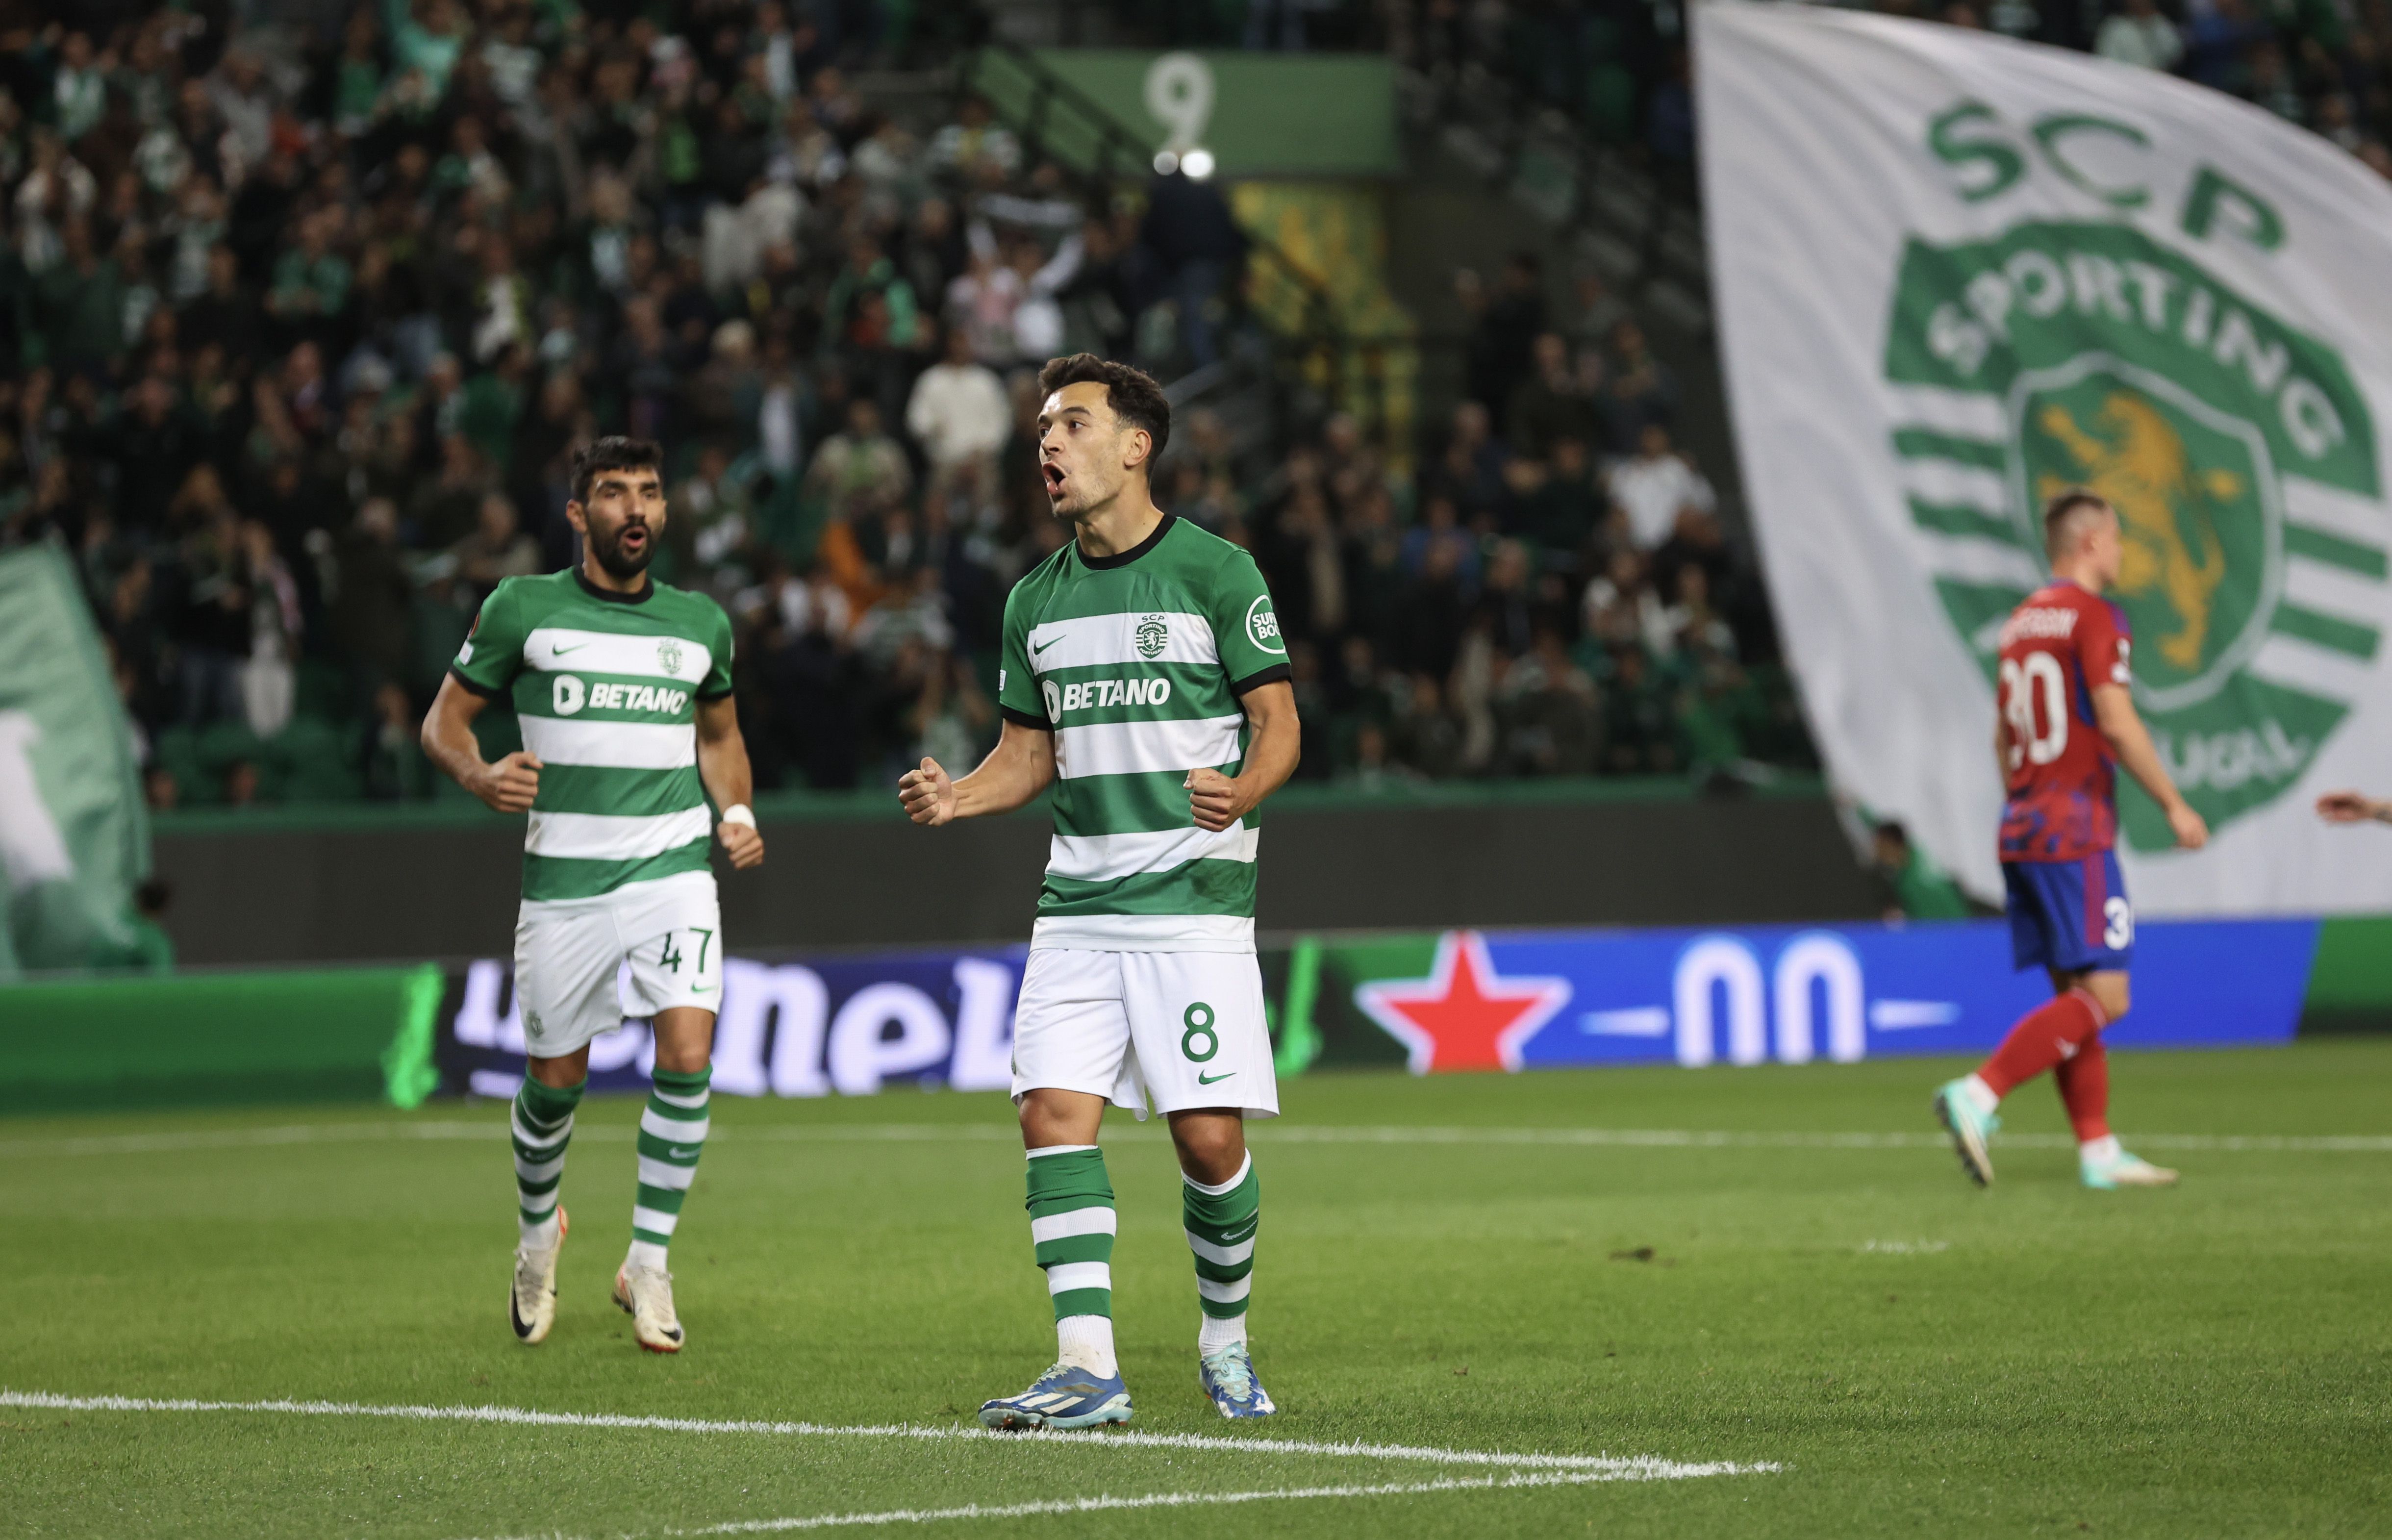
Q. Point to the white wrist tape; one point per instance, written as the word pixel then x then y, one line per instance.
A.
pixel 739 813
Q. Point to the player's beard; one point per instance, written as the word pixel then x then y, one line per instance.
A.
pixel 1081 499
pixel 607 546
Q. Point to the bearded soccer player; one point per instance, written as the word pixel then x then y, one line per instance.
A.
pixel 2067 720
pixel 623 689
pixel 1144 677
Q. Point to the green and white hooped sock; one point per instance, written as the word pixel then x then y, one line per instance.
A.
pixel 1071 1226
pixel 672 1135
pixel 1222 1222
pixel 540 1128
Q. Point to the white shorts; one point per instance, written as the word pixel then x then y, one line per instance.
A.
pixel 570 953
pixel 1172 1030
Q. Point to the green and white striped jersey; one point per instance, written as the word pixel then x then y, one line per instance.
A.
pixel 607 688
pixel 1136 663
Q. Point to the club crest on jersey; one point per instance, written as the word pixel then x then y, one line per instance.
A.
pixel 1154 634
pixel 668 656
pixel 2062 353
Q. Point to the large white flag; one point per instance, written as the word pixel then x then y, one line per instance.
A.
pixel 1956 272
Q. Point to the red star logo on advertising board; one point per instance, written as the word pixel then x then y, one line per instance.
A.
pixel 1463 1015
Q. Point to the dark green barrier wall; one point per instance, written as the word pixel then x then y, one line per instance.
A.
pixel 373 885
pixel 360 1034
pixel 2350 985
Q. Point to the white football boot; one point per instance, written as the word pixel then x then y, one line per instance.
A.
pixel 2121 1169
pixel 645 1294
pixel 531 1302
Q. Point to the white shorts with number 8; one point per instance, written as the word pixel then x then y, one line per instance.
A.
pixel 1165 1030
pixel 570 953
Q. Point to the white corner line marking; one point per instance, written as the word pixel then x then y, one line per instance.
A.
pixel 1609 1467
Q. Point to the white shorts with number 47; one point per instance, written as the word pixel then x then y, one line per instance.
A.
pixel 1170 1030
pixel 570 953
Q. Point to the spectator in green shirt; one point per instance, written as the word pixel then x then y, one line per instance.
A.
pixel 425 37
pixel 311 281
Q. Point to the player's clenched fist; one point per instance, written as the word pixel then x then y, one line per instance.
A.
pixel 929 795
pixel 2191 829
pixel 1213 800
pixel 742 843
pixel 510 784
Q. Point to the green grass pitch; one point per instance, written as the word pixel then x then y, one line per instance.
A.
pixel 1437 1268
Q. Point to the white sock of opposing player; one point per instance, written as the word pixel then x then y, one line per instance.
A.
pixel 1980 1094
pixel 2102 1149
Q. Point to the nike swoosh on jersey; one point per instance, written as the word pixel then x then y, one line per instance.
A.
pixel 1208 1080
pixel 1044 645
pixel 679 1153
pixel 559 652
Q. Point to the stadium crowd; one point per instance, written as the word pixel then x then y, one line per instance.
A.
pixel 1618 67
pixel 299 327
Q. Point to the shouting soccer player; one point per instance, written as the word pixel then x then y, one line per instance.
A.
pixel 1144 677
pixel 2066 721
pixel 623 689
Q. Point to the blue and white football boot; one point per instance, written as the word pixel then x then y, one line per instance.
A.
pixel 1970 1127
pixel 1065 1396
pixel 1228 1374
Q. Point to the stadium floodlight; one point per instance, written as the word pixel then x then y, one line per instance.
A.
pixel 1165 162
pixel 1197 164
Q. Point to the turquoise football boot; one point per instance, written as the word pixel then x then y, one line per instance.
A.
pixel 2107 1174
pixel 1228 1374
pixel 1956 1109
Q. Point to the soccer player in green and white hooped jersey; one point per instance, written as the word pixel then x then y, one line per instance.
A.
pixel 623 689
pixel 1144 677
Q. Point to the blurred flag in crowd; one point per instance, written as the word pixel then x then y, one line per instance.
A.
pixel 74 841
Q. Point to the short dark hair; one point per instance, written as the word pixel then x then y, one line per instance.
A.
pixel 1137 401
pixel 614 452
pixel 2059 514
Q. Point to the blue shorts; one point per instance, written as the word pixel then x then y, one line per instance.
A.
pixel 2070 915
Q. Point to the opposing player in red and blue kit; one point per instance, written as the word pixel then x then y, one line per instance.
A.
pixel 2067 721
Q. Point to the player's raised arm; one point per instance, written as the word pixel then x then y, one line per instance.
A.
pixel 1273 747
pixel 723 766
pixel 1021 766
pixel 2353 807
pixel 508 786
pixel 2113 707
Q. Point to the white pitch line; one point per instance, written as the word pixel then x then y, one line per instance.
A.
pixel 933 1133
pixel 1194 1499
pixel 1207 1499
pixel 1612 1466
pixel 289 1133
